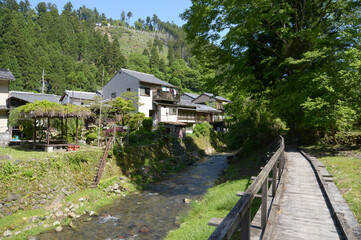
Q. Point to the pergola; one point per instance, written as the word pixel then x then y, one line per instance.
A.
pixel 48 110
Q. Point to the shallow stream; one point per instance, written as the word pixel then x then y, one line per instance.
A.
pixel 151 213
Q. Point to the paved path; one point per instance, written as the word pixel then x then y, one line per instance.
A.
pixel 303 212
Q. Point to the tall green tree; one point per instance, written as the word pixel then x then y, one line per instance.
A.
pixel 286 51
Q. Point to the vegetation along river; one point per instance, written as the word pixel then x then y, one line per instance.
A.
pixel 151 213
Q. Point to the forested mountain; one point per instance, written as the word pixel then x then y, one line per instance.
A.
pixel 75 53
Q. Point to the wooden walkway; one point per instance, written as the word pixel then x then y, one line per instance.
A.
pixel 302 211
pixel 302 202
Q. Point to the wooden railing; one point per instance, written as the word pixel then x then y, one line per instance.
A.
pixel 101 165
pixel 240 215
pixel 166 96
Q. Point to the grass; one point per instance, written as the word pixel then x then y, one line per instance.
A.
pixel 347 176
pixel 219 200
pixel 19 153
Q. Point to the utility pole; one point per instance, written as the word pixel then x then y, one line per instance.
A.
pixel 43 83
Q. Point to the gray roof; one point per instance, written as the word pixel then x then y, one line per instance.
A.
pixel 191 95
pixel 79 95
pixel 198 107
pixel 216 97
pixel 187 103
pixel 5 74
pixel 147 78
pixel 32 97
pixel 206 108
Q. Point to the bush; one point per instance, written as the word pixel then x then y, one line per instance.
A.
pixel 9 169
pixel 91 137
pixel 202 129
pixel 147 124
pixel 78 158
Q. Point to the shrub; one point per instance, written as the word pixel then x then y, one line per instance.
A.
pixel 9 169
pixel 28 173
pixel 147 124
pixel 202 129
pixel 78 158
pixel 91 137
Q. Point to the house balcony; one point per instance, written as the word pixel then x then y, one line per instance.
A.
pixel 166 96
pixel 190 119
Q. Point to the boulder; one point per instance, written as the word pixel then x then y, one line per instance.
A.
pixel 59 213
pixel 71 215
pixel 115 186
pixel 56 223
pixel 59 228
pixel 7 233
pixel 93 213
pixel 70 205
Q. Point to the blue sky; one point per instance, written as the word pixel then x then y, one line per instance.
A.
pixel 166 10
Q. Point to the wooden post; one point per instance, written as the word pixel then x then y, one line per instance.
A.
pixel 274 179
pixel 66 130
pixel 76 138
pixel 264 204
pixel 47 132
pixel 246 225
pixel 34 134
pixel 62 128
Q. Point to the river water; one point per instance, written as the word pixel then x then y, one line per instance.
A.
pixel 151 213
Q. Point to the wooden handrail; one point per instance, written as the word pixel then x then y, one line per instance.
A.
pixel 240 215
pixel 99 173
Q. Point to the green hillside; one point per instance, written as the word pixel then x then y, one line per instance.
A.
pixel 77 54
pixel 132 40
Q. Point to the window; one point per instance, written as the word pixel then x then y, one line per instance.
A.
pixel 144 92
pixel 128 90
pixel 113 95
pixel 172 111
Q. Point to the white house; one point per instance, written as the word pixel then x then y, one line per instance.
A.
pixel 5 77
pixel 158 99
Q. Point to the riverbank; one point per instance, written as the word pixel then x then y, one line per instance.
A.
pixel 221 198
pixel 46 193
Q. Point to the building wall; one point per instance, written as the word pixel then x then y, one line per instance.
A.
pixel 165 114
pixel 119 84
pixel 4 92
pixel 146 102
pixel 3 121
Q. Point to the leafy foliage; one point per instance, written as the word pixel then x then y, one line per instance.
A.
pixel 202 129
pixel 292 55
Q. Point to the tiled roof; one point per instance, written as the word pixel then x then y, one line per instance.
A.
pixel 186 103
pixel 148 78
pixel 191 95
pixel 206 108
pixel 5 74
pixel 79 95
pixel 216 97
pixel 199 107
pixel 32 97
